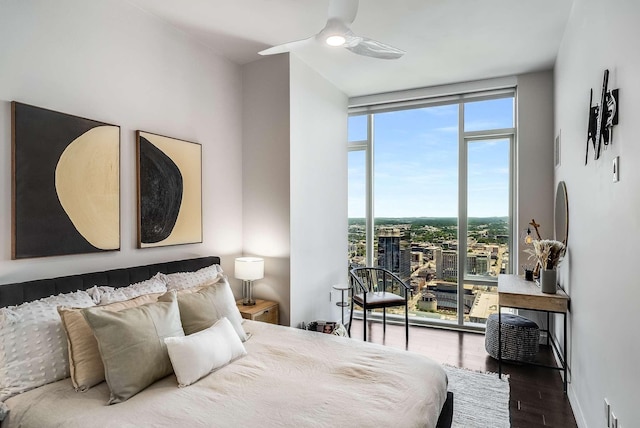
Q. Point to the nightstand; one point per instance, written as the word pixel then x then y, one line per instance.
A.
pixel 263 310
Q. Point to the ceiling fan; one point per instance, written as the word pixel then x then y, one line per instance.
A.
pixel 337 33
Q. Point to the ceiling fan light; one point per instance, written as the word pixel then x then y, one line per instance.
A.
pixel 335 40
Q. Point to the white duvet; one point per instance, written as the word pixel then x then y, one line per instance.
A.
pixel 290 378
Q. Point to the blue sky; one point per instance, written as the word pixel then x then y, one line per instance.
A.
pixel 416 162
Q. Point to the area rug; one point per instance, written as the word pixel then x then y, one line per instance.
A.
pixel 480 400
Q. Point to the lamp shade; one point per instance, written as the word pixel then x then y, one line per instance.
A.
pixel 249 268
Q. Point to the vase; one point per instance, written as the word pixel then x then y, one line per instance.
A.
pixel 548 281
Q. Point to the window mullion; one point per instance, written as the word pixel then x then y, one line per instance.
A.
pixel 462 212
pixel 489 134
pixel 369 221
pixel 513 242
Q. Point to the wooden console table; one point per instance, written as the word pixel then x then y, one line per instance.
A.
pixel 515 292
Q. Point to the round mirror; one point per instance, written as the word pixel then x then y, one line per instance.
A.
pixel 562 214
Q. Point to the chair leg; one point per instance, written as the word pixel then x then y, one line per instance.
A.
pixel 406 322
pixel 364 313
pixel 384 321
pixel 350 320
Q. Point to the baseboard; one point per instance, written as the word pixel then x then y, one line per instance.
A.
pixel 571 395
pixel 577 410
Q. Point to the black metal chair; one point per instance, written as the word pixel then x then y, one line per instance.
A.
pixel 378 288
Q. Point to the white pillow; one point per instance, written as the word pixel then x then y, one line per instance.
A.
pixel 33 345
pixel 104 295
pixel 181 280
pixel 197 355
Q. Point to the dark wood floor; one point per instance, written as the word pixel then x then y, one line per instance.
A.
pixel 536 398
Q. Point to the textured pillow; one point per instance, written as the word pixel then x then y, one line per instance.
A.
pixel 197 355
pixel 104 295
pixel 33 346
pixel 201 309
pixel 131 344
pixel 181 280
pixel 85 363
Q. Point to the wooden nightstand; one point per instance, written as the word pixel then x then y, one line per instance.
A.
pixel 263 310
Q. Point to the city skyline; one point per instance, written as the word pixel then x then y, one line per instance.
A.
pixel 424 254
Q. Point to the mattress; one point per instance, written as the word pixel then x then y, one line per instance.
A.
pixel 290 378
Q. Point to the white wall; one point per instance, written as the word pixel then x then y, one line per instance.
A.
pixel 294 185
pixel 112 62
pixel 318 193
pixel 266 175
pixel 604 217
pixel 534 181
pixel 535 191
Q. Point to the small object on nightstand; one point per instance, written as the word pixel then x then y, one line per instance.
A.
pixel 528 274
pixel 264 310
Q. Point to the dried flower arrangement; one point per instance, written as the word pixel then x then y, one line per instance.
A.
pixel 547 252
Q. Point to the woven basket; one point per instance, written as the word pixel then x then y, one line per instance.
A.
pixel 520 338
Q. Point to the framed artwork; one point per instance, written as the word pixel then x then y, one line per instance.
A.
pixel 169 191
pixel 65 184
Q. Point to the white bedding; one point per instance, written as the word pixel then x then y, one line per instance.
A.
pixel 290 378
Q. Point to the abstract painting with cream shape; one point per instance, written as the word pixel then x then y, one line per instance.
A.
pixel 65 184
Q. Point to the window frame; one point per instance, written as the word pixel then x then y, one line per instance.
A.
pixel 464 139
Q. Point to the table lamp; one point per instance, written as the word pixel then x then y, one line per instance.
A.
pixel 249 269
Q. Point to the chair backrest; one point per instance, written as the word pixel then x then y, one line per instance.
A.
pixel 377 279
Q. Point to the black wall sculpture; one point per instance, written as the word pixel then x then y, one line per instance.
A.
pixel 602 119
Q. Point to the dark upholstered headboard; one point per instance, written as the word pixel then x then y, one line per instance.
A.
pixel 15 294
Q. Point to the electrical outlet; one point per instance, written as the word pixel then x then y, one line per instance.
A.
pixel 607 412
pixel 616 169
pixel 614 421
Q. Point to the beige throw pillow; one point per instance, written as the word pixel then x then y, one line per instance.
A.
pixel 85 363
pixel 201 309
pixel 131 344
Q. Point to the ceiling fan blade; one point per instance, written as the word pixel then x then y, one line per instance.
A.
pixel 373 48
pixel 286 47
pixel 343 10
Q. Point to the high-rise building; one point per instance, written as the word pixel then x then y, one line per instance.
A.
pixel 478 263
pixel 417 257
pixel 447 264
pixel 394 252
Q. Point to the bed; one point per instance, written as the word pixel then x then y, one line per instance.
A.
pixel 288 378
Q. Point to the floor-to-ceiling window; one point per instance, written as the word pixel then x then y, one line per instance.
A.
pixel 430 198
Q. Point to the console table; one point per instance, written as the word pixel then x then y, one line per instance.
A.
pixel 515 292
